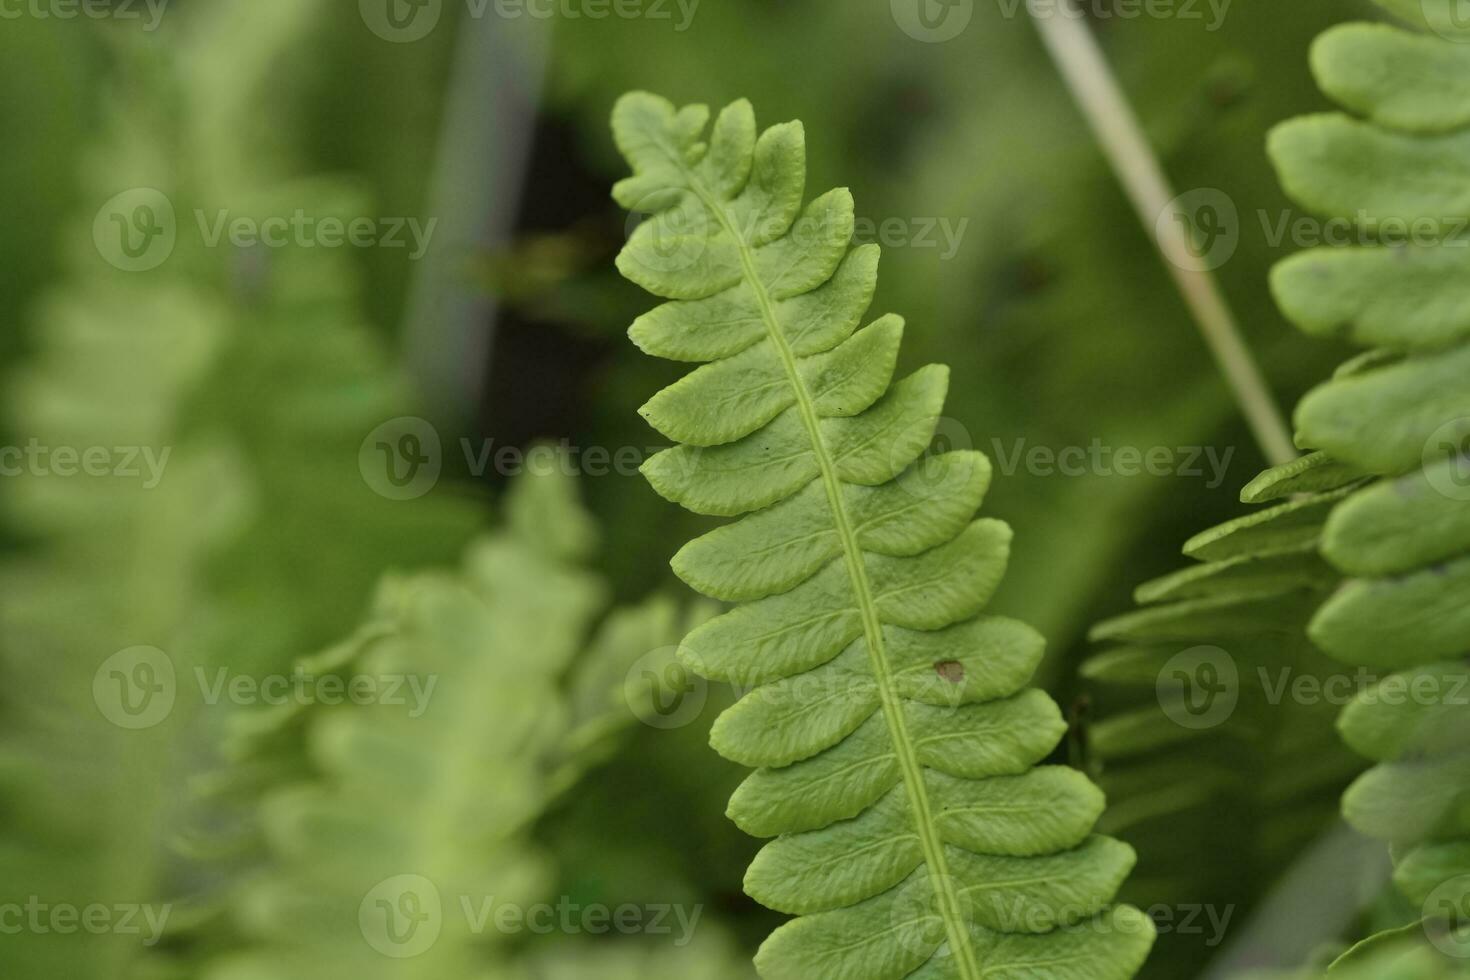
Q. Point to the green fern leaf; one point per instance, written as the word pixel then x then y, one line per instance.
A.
pixel 1443 17
pixel 1404 954
pixel 1405 538
pixel 1382 498
pixel 915 833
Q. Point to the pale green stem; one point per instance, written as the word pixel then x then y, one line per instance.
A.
pixel 1103 103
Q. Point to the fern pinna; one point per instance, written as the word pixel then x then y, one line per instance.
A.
pixel 896 751
pixel 1383 496
pixel 1401 414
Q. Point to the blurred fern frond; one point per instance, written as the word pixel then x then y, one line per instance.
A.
pixel 1366 547
pixel 1215 772
pixel 192 501
pixel 423 801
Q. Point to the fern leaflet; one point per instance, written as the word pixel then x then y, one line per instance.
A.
pixel 896 753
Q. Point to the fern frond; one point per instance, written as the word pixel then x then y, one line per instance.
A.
pixel 1418 951
pixel 442 790
pixel 117 564
pixel 1403 540
pixel 260 534
pixel 1213 772
pixel 1382 496
pixel 897 754
pixel 117 568
pixel 1395 959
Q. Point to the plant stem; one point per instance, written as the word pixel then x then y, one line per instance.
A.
pixel 1102 101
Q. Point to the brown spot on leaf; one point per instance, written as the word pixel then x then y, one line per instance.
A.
pixel 951 670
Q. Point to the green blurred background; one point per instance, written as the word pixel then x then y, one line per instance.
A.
pixel 266 369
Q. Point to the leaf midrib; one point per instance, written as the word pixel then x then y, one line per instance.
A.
pixel 956 928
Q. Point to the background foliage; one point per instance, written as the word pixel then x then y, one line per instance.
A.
pixel 266 371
